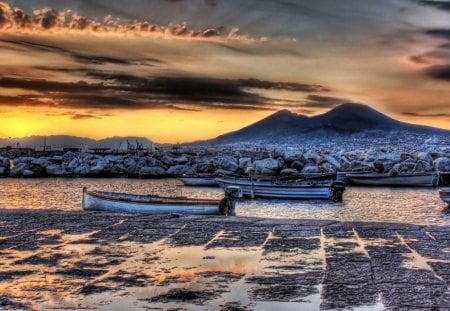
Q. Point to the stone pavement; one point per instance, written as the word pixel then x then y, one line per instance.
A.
pixel 95 260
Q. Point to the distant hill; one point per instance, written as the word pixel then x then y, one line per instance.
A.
pixel 63 141
pixel 344 123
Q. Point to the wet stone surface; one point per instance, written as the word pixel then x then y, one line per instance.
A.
pixel 101 261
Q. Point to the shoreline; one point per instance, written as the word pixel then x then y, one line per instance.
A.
pixel 232 219
pixel 94 259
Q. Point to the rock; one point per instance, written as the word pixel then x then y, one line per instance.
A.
pixel 152 171
pixel 226 162
pixel 73 164
pixel 424 156
pixel 310 168
pixel 267 172
pixel 345 164
pixel 68 156
pixel 298 165
pixel 25 160
pixel 394 157
pixel 181 160
pixel 168 160
pixel 37 170
pixel 289 171
pixel 406 156
pixel 244 162
pixel 404 167
pixel 327 167
pixel 55 170
pixel 57 159
pixel 118 169
pixel 3 171
pixel 42 162
pixel 28 173
pixel 203 167
pixel 149 161
pixel 4 162
pixel 18 169
pixel 333 161
pixel 373 154
pixel 180 170
pixel 383 166
pixel 129 163
pixel 423 166
pixel 221 172
pixel 265 164
pixel 293 155
pixel 312 156
pixel 99 168
pixel 358 165
pixel 355 155
pixel 82 169
pixel 442 164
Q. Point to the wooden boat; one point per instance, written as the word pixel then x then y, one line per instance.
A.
pixel 429 179
pixel 147 204
pixel 286 189
pixel 444 193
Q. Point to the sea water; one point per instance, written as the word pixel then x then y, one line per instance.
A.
pixel 366 204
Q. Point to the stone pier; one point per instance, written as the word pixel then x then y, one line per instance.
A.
pixel 90 260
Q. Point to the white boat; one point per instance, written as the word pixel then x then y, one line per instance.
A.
pixel 198 181
pixel 286 189
pixel 429 179
pixel 147 204
pixel 444 193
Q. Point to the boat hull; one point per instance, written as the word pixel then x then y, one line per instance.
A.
pixel 128 203
pixel 445 195
pixel 199 181
pixel 268 190
pixel 410 180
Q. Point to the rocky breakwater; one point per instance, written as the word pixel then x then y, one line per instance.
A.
pixel 278 162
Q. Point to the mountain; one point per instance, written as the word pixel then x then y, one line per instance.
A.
pixel 61 141
pixel 347 122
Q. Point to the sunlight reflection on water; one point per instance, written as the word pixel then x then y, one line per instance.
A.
pixel 407 205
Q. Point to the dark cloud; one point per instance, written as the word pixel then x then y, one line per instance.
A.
pixel 438 59
pixel 442 5
pixel 287 86
pixel 320 101
pixel 80 57
pixel 441 53
pixel 415 114
pixel 174 107
pixel 441 72
pixel 419 59
pixel 123 91
pixel 84 116
pixel 22 100
pixel 440 33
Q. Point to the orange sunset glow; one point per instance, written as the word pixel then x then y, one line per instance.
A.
pixel 178 71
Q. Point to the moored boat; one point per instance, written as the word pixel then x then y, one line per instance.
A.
pixel 444 193
pixel 147 204
pixel 428 179
pixel 286 189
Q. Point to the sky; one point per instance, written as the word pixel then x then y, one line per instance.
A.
pixel 183 70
